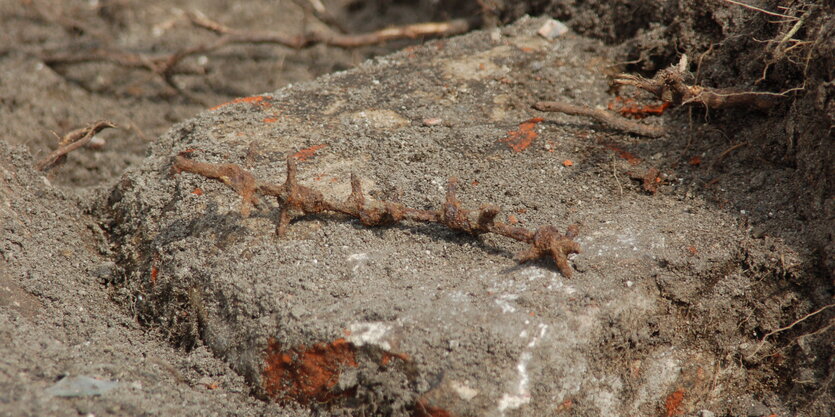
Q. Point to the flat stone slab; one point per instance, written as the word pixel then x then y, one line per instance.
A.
pixel 416 319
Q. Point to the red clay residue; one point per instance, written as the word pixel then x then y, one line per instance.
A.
pixel 154 275
pixel 672 404
pixel 197 191
pixel 520 139
pixel 628 156
pixel 695 161
pixel 306 374
pixel 259 100
pixel 567 163
pixel 388 357
pixel 270 119
pixel 307 153
pixel 628 107
pixel 422 409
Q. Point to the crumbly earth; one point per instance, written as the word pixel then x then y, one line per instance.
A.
pixel 154 279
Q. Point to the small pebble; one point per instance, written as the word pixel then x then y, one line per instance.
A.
pixel 552 29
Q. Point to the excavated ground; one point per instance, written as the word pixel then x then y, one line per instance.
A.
pixel 153 279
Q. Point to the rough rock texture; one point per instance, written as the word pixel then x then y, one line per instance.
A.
pixel 417 320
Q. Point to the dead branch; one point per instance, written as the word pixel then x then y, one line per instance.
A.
pixel 417 30
pixel 166 66
pixel 603 116
pixel 292 197
pixel 669 85
pixel 72 141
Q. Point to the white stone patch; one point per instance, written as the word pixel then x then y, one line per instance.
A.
pixel 464 391
pixel 504 300
pixel 552 29
pixel 382 119
pixel 521 395
pixel 605 398
pixel 623 243
pixel 369 333
pixel 357 260
pixel 659 372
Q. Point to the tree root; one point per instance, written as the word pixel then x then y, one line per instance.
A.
pixel 292 197
pixel 603 116
pixel 669 86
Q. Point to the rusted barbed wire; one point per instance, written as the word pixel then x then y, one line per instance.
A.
pixel 546 241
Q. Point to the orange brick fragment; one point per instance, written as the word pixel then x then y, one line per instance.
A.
pixel 567 163
pixel 270 119
pixel 422 409
pixel 521 138
pixel 388 357
pixel 628 107
pixel 672 405
pixel 258 100
pixel 307 153
pixel 628 156
pixel 565 406
pixel 306 374
pixel 197 191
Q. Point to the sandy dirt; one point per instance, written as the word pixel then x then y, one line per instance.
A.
pixel 711 295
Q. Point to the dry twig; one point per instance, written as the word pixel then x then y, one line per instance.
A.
pixel 166 66
pixel 70 142
pixel 748 6
pixel 545 241
pixel 727 152
pixel 603 116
